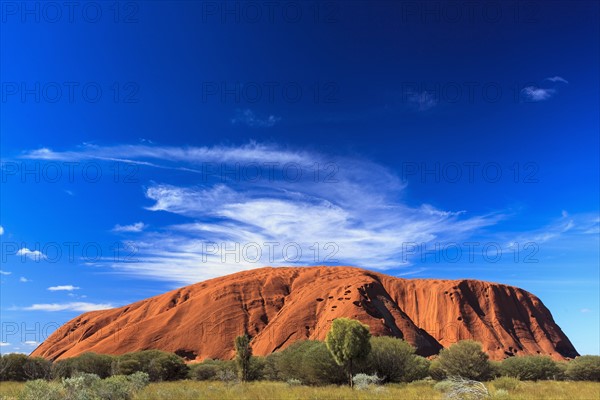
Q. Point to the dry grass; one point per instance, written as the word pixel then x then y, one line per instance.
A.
pixel 192 390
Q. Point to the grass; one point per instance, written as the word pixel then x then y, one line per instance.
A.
pixel 192 390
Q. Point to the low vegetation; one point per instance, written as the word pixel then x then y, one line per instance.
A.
pixel 386 366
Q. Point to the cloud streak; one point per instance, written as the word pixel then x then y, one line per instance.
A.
pixel 73 306
pixel 67 288
pixel 137 227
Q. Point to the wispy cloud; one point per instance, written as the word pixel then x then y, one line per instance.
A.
pixel 3 344
pixel 67 288
pixel 5 272
pixel 423 101
pixel 349 207
pixel 74 306
pixel 1 230
pixel 557 79
pixel 137 227
pixel 535 94
pixel 249 118
pixel 33 254
pixel 30 343
pixel 353 210
pixel 24 280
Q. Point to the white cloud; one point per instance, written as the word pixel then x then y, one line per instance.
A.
pixel 3 344
pixel 535 94
pixel 249 118
pixel 354 208
pixel 33 254
pixel 5 272
pixel 31 343
pixel 23 279
pixel 424 100
pixel 74 306
pixel 557 79
pixel 585 310
pixel 137 227
pixel 63 287
pixel 1 230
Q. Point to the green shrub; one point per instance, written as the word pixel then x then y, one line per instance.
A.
pixel 11 367
pixel 436 371
pixel 79 387
pixel 257 367
pixel 443 386
pixel 309 361
pixel 531 368
pixel 465 359
pixel 394 360
pixel 167 367
pixel 584 368
pixel 62 369
pixel 420 369
pixel 40 389
pixel 126 366
pixel 506 383
pixel 203 372
pixel 37 368
pixel 92 363
pixel 159 365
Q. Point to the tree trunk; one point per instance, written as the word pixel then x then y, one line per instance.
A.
pixel 350 375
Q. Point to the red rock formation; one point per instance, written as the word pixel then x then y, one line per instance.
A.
pixel 278 306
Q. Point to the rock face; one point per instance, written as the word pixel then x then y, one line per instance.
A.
pixel 278 306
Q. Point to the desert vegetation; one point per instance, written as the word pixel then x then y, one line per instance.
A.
pixel 350 356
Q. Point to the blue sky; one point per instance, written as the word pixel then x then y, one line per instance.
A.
pixel 157 144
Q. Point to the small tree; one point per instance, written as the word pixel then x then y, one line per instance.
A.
pixel 465 359
pixel 243 353
pixel 348 342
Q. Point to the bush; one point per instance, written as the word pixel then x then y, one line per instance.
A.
pixel 465 359
pixel 364 381
pixel 126 366
pixel 394 360
pixel 203 372
pixel 420 369
pixel 584 368
pixel 159 365
pixel 167 367
pixel 41 390
pixel 436 371
pixel 256 370
pixel 92 363
pixel 506 383
pixel 309 361
pixel 62 369
pixel 85 386
pixel 531 368
pixel 37 368
pixel 11 367
pixel 79 387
